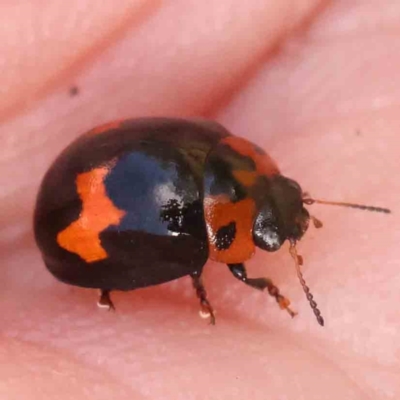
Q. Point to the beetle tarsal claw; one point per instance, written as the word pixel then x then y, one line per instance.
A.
pixel 104 306
pixel 207 314
pixel 105 301
pixel 204 314
pixel 284 303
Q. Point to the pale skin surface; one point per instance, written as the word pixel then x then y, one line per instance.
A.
pixel 324 105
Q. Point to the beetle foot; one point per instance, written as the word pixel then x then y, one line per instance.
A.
pixel 206 310
pixel 105 301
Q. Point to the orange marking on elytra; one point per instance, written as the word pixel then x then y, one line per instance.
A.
pixel 264 163
pixel 219 212
pixel 105 127
pixel 98 213
pixel 246 178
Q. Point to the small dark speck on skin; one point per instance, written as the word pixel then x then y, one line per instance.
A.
pixel 358 132
pixel 73 91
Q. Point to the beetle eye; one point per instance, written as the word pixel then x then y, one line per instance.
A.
pixel 265 233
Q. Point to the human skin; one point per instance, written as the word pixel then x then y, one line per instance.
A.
pixel 317 86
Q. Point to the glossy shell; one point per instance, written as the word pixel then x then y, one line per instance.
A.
pixel 142 202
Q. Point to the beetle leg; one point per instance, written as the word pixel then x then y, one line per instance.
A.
pixel 105 300
pixel 206 308
pixel 239 272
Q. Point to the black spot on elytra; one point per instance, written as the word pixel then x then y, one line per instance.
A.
pixel 225 236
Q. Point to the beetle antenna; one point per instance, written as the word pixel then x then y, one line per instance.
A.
pixel 310 201
pixel 298 260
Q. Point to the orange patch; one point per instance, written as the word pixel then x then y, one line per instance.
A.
pixel 219 211
pixel 98 213
pixel 105 127
pixel 264 163
pixel 246 178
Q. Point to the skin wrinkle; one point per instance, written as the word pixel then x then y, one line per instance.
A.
pixel 184 54
pixel 221 103
pixel 74 61
pixel 252 327
pixel 332 363
pixel 68 315
pixel 355 376
pixel 315 350
pixel 53 369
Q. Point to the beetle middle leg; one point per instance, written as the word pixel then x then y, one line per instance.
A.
pixel 239 272
pixel 201 293
pixel 105 300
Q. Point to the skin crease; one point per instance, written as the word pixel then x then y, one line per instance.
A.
pixel 315 85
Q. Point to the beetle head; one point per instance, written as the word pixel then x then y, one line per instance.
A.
pixel 281 215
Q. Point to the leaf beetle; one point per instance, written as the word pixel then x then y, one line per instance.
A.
pixel 140 202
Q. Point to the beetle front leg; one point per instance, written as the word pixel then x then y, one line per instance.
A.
pixel 201 293
pixel 239 272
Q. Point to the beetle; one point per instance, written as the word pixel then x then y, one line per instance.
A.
pixel 140 202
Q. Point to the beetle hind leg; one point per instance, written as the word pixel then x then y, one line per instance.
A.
pixel 206 308
pixel 239 272
pixel 105 300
